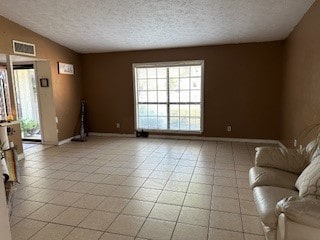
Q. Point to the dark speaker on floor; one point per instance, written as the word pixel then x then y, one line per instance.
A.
pixel 142 134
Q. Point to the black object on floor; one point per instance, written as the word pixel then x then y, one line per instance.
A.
pixel 83 124
pixel 142 134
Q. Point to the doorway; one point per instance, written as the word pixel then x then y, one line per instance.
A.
pixel 26 94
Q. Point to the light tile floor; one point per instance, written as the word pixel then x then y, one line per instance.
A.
pixel 127 188
pixel 30 147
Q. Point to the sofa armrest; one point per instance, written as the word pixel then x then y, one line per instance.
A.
pixel 290 160
pixel 264 176
pixel 300 210
pixel 289 230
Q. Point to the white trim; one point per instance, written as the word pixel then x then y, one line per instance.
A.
pixel 38 99
pixel 50 143
pixel 134 73
pixel 97 134
pixel 135 66
pixel 182 132
pixel 168 64
pixel 66 140
pixel 219 139
pixel 21 156
pixel 202 98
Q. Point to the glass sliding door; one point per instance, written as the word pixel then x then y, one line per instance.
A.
pixel 27 101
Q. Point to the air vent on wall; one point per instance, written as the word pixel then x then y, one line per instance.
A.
pixel 24 48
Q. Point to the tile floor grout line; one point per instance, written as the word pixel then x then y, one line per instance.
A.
pixel 209 220
pixel 132 198
pixel 182 166
pixel 38 230
pixel 239 200
pixel 156 201
pixel 176 223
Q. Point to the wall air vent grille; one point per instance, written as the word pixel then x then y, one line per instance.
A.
pixel 24 48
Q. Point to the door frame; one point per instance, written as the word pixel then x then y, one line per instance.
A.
pixel 37 95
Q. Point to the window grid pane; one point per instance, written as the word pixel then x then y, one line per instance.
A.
pixel 169 98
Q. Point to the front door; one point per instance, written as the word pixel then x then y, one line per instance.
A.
pixel 27 101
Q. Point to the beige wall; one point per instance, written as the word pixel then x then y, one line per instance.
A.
pixel 301 98
pixel 242 85
pixel 67 89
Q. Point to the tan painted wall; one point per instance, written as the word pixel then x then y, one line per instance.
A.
pixel 46 104
pixel 301 98
pixel 242 88
pixel 67 89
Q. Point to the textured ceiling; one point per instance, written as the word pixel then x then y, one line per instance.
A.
pixel 119 25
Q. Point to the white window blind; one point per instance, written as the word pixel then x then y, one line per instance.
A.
pixel 168 96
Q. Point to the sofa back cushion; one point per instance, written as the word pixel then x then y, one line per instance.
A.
pixel 308 183
pixel 312 150
pixel 290 160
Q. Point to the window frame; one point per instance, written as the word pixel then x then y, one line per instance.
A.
pixel 169 64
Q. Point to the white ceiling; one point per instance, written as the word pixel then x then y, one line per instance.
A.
pixel 119 25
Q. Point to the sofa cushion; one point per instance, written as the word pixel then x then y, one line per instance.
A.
pixel 312 150
pixel 308 182
pixel 305 211
pixel 263 176
pixel 290 160
pixel 266 199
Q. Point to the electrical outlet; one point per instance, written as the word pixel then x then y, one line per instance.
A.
pixel 118 125
pixel 295 142
pixel 229 129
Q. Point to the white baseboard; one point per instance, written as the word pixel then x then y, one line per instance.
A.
pixel 220 139
pixel 245 140
pixel 49 143
pixel 67 140
pixel 111 134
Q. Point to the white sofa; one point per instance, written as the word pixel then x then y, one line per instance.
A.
pixel 286 190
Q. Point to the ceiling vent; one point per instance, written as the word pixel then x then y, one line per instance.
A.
pixel 24 48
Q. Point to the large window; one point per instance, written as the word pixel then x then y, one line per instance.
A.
pixel 168 96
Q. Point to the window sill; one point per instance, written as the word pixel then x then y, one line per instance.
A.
pixel 171 131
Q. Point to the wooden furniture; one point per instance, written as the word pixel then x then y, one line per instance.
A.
pixel 14 135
